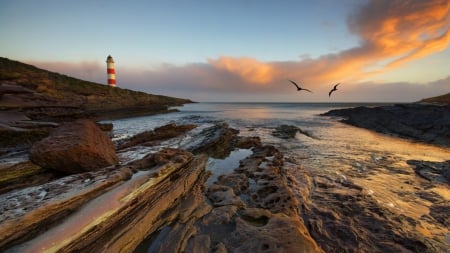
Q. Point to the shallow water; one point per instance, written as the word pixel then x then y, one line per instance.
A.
pixel 376 162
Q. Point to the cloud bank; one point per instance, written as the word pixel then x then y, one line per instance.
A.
pixel 391 34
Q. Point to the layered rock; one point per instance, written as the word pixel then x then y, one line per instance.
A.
pixel 149 138
pixel 75 147
pixel 111 209
pixel 249 210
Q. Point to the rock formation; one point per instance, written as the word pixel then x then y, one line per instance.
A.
pixel 288 131
pixel 250 210
pixel 74 147
pixel 421 122
pixel 161 203
pixel 162 196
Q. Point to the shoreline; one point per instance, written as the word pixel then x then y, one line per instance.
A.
pixel 424 122
pixel 265 193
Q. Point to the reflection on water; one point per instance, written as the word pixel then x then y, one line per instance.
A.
pixel 225 166
pixel 376 162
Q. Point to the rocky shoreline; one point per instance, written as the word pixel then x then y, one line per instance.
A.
pixel 157 192
pixel 117 207
pixel 160 201
pixel 151 193
pixel 427 123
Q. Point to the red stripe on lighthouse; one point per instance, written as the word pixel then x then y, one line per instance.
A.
pixel 111 72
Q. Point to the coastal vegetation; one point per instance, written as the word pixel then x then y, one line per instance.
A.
pixel 443 99
pixel 55 89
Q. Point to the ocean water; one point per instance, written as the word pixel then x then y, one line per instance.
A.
pixel 376 162
pixel 335 146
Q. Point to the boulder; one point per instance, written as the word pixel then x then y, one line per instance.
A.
pixel 75 147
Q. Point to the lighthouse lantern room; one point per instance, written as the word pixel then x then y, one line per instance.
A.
pixel 111 71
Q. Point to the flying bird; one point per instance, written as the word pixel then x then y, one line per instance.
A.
pixel 334 89
pixel 298 87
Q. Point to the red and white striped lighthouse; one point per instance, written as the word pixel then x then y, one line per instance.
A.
pixel 111 71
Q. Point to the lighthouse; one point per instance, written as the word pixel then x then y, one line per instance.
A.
pixel 111 71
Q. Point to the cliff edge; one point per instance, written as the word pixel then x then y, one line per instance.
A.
pixel 33 100
pixel 43 95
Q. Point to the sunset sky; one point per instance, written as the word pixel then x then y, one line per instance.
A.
pixel 223 50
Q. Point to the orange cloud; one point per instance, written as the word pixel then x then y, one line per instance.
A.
pixel 392 33
pixel 406 31
pixel 249 69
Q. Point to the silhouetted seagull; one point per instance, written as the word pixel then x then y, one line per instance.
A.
pixel 299 88
pixel 334 89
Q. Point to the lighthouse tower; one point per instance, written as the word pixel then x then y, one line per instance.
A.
pixel 111 71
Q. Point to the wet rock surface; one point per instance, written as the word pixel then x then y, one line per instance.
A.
pixel 421 122
pixel 250 210
pixel 437 172
pixel 92 207
pixel 150 138
pixel 216 141
pixel 288 132
pixel 354 212
pixel 268 203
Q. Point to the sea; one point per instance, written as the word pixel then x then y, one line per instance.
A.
pixel 376 162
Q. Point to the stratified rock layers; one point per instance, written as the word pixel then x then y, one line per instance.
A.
pixel 116 210
pixel 160 203
pixel 250 210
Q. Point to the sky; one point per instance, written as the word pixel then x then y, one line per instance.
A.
pixel 240 51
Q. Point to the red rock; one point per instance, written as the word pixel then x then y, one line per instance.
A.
pixel 75 147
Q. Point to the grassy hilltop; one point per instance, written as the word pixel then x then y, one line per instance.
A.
pixel 443 99
pixel 34 87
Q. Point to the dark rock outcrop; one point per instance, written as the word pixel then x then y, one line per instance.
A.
pixel 149 138
pixel 288 132
pixel 215 141
pixel 75 147
pixel 426 123
pixel 436 172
